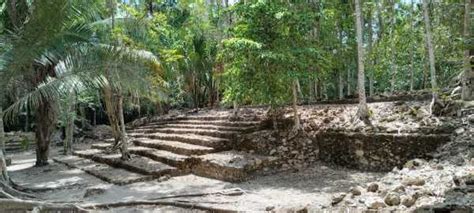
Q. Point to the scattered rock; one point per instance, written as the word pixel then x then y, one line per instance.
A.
pixel 337 198
pixel 269 208
pixel 373 187
pixel 357 190
pixel 94 191
pixel 399 189
pixel 413 181
pixel 164 178
pixel 412 164
pixel 407 200
pixel 459 130
pixel 392 199
pixel 375 203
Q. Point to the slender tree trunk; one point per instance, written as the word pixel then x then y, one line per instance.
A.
pixel 429 44
pixel 70 117
pixel 316 90
pixel 236 108
pixel 298 87
pixel 370 46
pixel 295 105
pixel 341 86
pixel 363 110
pixel 45 123
pixel 348 82
pixel 393 60
pixel 412 49
pixel 27 120
pixel 468 75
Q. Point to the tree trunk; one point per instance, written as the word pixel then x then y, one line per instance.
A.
pixel 113 99
pixel 412 49
pixel 300 92
pixel 27 120
pixel 295 105
pixel 370 46
pixel 468 75
pixel 2 132
pixel 316 90
pixel 348 82
pixel 429 44
pixel 393 50
pixel 363 110
pixel 123 133
pixel 70 117
pixel 110 107
pixel 236 108
pixel 45 123
pixel 341 86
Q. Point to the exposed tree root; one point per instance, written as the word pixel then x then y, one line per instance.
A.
pixel 176 203
pixel 6 191
pixel 180 204
pixel 9 205
pixel 43 189
pixel 230 192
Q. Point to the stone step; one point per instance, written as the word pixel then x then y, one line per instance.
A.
pixel 198 126
pixel 211 122
pixel 214 142
pixel 166 157
pixel 137 163
pixel 173 146
pixel 101 146
pixel 230 166
pixel 103 171
pixel 205 132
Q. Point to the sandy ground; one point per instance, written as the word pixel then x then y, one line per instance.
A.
pixel 289 189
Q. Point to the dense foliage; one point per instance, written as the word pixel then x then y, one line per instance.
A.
pixel 71 59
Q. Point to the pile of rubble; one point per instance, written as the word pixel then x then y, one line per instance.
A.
pixel 445 183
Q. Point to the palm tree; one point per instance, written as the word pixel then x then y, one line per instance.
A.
pixel 60 48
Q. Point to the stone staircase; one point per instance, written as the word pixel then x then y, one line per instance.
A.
pixel 201 144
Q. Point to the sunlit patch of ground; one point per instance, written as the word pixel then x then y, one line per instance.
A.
pixel 309 187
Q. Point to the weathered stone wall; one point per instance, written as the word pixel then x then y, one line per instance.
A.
pixel 364 151
pixel 375 152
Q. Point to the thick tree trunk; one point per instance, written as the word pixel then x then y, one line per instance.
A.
pixel 468 75
pixel 114 106
pixel 110 107
pixel 295 105
pixel 45 123
pixel 429 44
pixel 123 133
pixel 363 110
